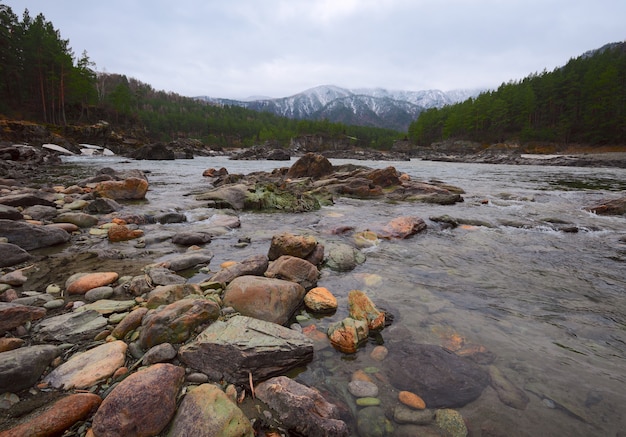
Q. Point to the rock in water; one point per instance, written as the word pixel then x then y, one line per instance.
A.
pixel 302 408
pixel 206 411
pixel 440 377
pixel 142 404
pixel 242 346
pixel 508 392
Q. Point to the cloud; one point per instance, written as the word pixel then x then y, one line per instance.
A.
pixel 280 47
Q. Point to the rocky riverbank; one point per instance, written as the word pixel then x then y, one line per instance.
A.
pixel 104 335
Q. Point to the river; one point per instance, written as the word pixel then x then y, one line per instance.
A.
pixel 549 303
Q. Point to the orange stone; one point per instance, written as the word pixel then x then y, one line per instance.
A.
pixel 379 353
pixel 320 299
pixel 92 280
pixel 227 264
pixel 67 227
pixel 119 233
pixel 411 400
pixel 58 417
pixel 360 375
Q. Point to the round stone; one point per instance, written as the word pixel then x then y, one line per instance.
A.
pixel 363 389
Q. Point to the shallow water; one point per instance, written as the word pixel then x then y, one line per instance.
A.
pixel 550 305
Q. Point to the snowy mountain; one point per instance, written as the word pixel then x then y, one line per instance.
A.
pixel 375 107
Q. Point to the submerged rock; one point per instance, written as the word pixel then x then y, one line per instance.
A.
pixel 440 377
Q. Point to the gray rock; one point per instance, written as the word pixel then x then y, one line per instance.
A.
pixel 99 293
pixel 103 205
pixel 25 200
pixel 363 389
pixel 231 196
pixel 241 346
pixel 10 213
pixel 79 219
pixel 163 276
pixel 191 238
pixel 159 354
pixel 302 408
pixel 12 255
pixel 21 368
pixel 41 212
pixel 171 217
pixel 189 259
pixel 70 327
pixel 342 257
pixel 442 378
pixel 30 237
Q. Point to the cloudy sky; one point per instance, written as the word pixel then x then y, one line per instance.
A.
pixel 277 48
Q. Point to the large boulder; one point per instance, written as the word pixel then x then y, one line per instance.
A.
pixel 155 152
pixel 206 411
pixel 610 207
pixel 441 378
pixel 243 348
pixel 310 165
pixel 142 404
pixel 175 322
pixel 29 236
pixel 280 298
pixel 301 408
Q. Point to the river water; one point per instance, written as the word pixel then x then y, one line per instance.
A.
pixel 550 305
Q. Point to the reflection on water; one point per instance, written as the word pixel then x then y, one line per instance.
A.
pixel 549 305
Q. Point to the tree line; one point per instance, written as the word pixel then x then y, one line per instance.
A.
pixel 582 102
pixel 42 80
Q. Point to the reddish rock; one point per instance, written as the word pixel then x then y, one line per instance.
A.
pixel 91 280
pixel 58 417
pixel 13 315
pixel 119 233
pixel 10 343
pixel 16 278
pixel 175 322
pixel 128 189
pixel 412 400
pixel 129 323
pixel 67 227
pixel 294 269
pixel 362 308
pixel 403 227
pixel 142 404
pixel 300 246
pixel 310 165
pixel 279 298
pixel 384 177
pixel 167 294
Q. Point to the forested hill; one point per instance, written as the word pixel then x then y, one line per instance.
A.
pixel 582 102
pixel 41 80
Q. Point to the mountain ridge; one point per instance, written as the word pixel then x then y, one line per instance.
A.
pixel 374 107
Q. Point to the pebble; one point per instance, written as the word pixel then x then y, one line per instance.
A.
pixel 54 304
pixel 360 375
pixel 451 422
pixel 368 402
pixel 379 353
pixel 98 293
pixel 53 289
pixel 411 400
pixel 363 389
pixel 197 378
pixel 89 281
pixel 7 400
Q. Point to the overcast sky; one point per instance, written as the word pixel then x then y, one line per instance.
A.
pixel 277 48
